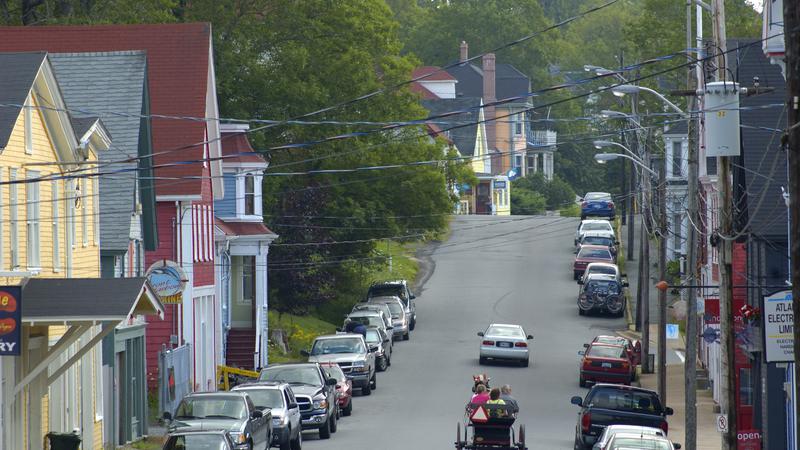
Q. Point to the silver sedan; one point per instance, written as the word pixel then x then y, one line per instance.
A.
pixel 504 342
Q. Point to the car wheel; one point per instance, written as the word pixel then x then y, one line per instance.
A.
pixel 297 443
pixel 382 365
pixel 581 382
pixel 334 422
pixel 406 336
pixel 583 217
pixel 367 389
pixel 325 429
pixel 286 445
pixel 581 312
pixel 374 382
pixel 481 360
pixel 524 362
pixel 412 325
pixel 349 409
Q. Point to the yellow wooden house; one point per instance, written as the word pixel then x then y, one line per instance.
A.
pixel 49 245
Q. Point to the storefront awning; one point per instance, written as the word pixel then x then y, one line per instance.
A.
pixel 83 300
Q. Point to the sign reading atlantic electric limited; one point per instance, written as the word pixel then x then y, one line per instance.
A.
pixel 168 281
pixel 10 320
pixel 779 327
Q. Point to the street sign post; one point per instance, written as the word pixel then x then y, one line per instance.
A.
pixel 722 423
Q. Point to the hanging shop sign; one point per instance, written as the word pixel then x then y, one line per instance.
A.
pixel 779 327
pixel 10 320
pixel 168 281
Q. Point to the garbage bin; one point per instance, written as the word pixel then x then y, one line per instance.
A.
pixel 64 441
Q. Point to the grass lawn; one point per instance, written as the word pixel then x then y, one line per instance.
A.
pixel 301 332
pixel 403 266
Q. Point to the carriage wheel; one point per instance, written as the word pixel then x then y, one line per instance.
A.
pixel 521 442
pixel 459 443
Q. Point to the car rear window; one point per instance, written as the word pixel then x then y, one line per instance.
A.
pixel 594 226
pixel 265 398
pixel 386 291
pixel 504 331
pixel 605 351
pixel 594 196
pixel 608 286
pixel 292 374
pixel 338 345
pixel 639 443
pixel 603 269
pixel 373 336
pixel 599 253
pixel 212 407
pixel 197 442
pixel 597 240
pixel 625 400
pixel 334 371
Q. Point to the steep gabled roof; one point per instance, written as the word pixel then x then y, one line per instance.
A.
pixel 763 159
pixel 464 137
pixel 436 74
pixel 509 82
pixel 236 148
pixel 16 79
pixel 178 57
pixel 110 85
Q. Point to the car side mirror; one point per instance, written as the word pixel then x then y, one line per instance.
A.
pixel 585 345
pixel 480 333
pixel 256 414
pixel 373 349
pixel 413 296
pixel 293 405
pixel 166 416
pixel 676 446
pixel 339 330
pixel 330 382
pixel 668 411
pixel 580 281
pixel 623 275
pixel 625 284
pixel 576 401
pixel 305 353
pixel 529 337
pixel 581 353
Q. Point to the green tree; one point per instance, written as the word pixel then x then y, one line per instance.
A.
pixel 526 202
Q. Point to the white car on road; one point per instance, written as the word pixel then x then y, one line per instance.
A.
pixel 504 342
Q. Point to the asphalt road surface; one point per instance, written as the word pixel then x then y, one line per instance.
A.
pixel 492 269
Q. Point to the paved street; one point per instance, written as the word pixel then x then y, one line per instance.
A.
pixel 491 269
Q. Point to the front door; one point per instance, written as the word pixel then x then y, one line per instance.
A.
pixel 243 282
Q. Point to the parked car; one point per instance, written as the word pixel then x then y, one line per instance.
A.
pixel 605 363
pixel 593 225
pixel 382 307
pixel 400 289
pixel 632 347
pixel 611 430
pixel 351 353
pixel 371 318
pixel 606 268
pixel 277 397
pixel 198 439
pixel 626 441
pixel 602 293
pixel 616 404
pixel 314 392
pixel 589 254
pixel 597 204
pixel 504 342
pixel 248 427
pixel 380 339
pixel 400 324
pixel 344 387
pixel 599 238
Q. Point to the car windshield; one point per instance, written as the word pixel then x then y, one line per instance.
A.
pixel 602 269
pixel 373 336
pixel 595 196
pixel 639 443
pixel 597 240
pixel 594 226
pixel 387 290
pixel 625 399
pixel 598 253
pixel 300 375
pixel 196 442
pixel 337 345
pixel 610 340
pixel 370 321
pixel 335 372
pixel 265 398
pixel 395 308
pixel 504 332
pixel 603 286
pixel 212 407
pixel 605 351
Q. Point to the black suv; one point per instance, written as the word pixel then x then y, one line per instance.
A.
pixel 397 288
pixel 601 292
pixel 314 391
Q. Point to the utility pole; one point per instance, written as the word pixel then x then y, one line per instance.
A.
pixel 644 264
pixel 727 339
pixel 791 27
pixel 662 275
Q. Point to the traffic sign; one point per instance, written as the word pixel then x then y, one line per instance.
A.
pixel 673 332
pixel 722 423
pixel 479 415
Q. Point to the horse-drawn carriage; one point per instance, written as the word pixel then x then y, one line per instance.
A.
pixel 489 426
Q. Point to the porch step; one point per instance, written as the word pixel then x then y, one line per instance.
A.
pixel 240 347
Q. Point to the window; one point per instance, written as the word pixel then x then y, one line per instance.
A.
pixel 13 205
pixel 84 207
pixel 71 198
pixel 531 163
pixel 518 161
pixel 249 195
pixel 248 279
pixel 677 158
pixel 518 124
pixel 56 214
pixel 98 383
pixel 32 219
pixel 746 386
pixel 29 125
pixel 2 249
pixel 95 211
pixel 711 165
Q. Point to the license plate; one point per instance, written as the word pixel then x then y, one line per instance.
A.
pixel 504 344
pixel 596 206
pixel 606 365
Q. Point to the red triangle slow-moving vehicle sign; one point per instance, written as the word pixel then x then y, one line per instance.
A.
pixel 479 415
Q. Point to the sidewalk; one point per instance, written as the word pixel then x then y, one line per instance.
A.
pixel 707 436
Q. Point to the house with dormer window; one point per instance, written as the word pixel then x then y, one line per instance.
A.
pixel 242 249
pixel 676 145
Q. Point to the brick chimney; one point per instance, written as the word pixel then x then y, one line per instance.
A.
pixel 464 51
pixel 490 96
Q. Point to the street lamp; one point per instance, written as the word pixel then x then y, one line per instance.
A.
pixel 600 71
pixel 600 144
pixel 603 157
pixel 623 89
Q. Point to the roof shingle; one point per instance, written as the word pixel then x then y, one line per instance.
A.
pixel 17 72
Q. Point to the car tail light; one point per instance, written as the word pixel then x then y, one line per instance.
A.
pixel 587 363
pixel 586 422
pixel 488 342
pixel 610 204
pixel 624 364
pixel 584 204
pixel 338 387
pixel 664 427
pixel 521 344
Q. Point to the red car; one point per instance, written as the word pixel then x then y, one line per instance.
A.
pixel 344 387
pixel 589 254
pixel 633 348
pixel 605 363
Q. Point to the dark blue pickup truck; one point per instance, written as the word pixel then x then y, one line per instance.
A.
pixel 614 404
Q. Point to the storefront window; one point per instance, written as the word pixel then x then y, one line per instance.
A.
pixel 746 386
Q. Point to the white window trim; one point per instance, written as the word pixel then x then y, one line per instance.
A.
pixel 96 211
pixel 55 226
pixel 84 207
pixel 13 217
pixel 28 118
pixel 72 234
pixel 33 222
pixel 2 243
pixel 98 383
